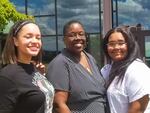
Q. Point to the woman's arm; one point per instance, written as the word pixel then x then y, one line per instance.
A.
pixel 60 101
pixel 139 105
pixel 8 95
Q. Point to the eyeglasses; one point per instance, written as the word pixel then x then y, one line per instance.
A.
pixel 113 44
pixel 74 35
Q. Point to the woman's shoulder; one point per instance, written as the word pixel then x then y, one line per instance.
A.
pixel 12 71
pixel 138 65
pixel 60 58
pixel 9 69
pixel 138 69
pixel 9 72
pixel 106 67
pixel 60 61
pixel 105 70
pixel 63 58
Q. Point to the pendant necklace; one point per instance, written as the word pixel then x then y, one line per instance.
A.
pixel 85 64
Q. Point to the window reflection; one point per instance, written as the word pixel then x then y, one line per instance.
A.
pixel 147 46
pixel 60 43
pixel 147 50
pixel 49 43
pixel 132 12
pixel 49 48
pixel 94 47
pixel 41 7
pixel 20 5
pixel 47 25
pixel 85 11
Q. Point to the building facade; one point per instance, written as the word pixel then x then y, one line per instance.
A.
pixel 98 16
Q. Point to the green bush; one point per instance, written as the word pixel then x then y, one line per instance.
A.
pixel 9 13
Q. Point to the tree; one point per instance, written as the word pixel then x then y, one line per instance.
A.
pixel 9 13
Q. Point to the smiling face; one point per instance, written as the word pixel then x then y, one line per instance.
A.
pixel 117 47
pixel 28 42
pixel 75 39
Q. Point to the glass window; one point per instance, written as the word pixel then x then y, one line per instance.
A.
pixel 41 7
pixel 49 43
pixel 101 5
pixel 134 12
pixel 86 11
pixel 115 24
pixel 114 5
pixel 147 46
pixel 95 47
pixel 19 5
pixel 60 43
pixel 49 48
pixel 47 25
pixel 147 50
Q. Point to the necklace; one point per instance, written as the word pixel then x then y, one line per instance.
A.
pixel 83 60
pixel 88 70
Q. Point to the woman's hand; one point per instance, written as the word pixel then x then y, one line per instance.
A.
pixel 41 67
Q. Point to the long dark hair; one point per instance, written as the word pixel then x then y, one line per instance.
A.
pixel 119 68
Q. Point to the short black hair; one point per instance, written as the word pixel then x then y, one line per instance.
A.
pixel 67 25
